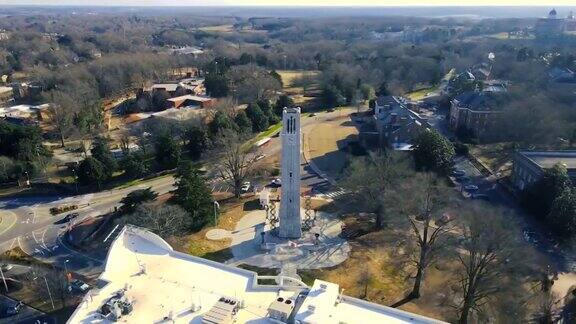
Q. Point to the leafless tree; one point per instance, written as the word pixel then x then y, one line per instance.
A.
pixel 369 179
pixel 62 109
pixel 235 163
pixel 165 220
pixel 423 203
pixel 492 260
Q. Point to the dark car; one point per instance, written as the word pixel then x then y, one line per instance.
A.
pixel 13 308
pixel 481 197
pixel 71 216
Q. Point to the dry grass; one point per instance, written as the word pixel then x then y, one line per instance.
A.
pixel 497 157
pixel 197 244
pixel 218 29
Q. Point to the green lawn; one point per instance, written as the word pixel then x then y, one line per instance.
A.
pixel 420 94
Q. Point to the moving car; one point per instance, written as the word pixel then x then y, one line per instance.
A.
pixel 458 173
pixel 276 182
pixel 71 216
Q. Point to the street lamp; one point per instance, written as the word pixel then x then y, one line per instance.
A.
pixel 48 288
pixel 75 179
pixel 216 208
pixel 27 178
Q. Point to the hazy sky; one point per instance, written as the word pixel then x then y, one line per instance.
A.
pixel 546 3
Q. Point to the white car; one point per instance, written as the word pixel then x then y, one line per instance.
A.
pixel 276 182
pixel 245 186
pixel 6 266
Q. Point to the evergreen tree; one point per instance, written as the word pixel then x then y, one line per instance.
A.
pixel 92 171
pixel 266 107
pixel 137 197
pixel 193 195
pixel 135 165
pixel 277 76
pixel 101 152
pixel 219 123
pixel 257 117
pixel 196 141
pixel 168 151
pixel 433 152
pixel 284 101
pixel 243 122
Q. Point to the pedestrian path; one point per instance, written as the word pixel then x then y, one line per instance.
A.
pixel 334 194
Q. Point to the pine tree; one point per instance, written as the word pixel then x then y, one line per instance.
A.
pixel 193 195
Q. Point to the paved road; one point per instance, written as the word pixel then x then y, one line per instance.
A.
pixel 28 224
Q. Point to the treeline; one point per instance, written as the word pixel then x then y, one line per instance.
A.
pixel 164 144
pixel 21 151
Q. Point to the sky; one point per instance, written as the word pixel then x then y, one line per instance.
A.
pixel 383 3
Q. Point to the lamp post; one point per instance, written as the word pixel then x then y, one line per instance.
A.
pixel 27 179
pixel 75 179
pixel 49 293
pixel 216 208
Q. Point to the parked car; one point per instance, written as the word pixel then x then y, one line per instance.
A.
pixel 481 197
pixel 79 285
pixel 245 186
pixel 471 187
pixel 529 236
pixel 458 173
pixel 259 157
pixel 6 266
pixel 13 308
pixel 276 182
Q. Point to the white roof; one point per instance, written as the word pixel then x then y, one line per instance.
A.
pixel 168 86
pixel 5 89
pixel 163 283
pixel 190 97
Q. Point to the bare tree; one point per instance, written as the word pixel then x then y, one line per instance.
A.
pixel 165 221
pixel 62 109
pixel 369 178
pixel 492 260
pixel 235 163
pixel 423 204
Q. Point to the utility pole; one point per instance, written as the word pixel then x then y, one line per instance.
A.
pixel 4 279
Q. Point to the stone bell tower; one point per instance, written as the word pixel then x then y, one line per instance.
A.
pixel 290 221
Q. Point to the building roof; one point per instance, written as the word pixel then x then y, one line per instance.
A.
pixel 478 101
pixel 5 89
pixel 388 100
pixel 163 284
pixel 170 87
pixel 191 97
pixel 547 159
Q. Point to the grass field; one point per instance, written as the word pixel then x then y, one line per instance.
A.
pixel 420 94
pixel 218 29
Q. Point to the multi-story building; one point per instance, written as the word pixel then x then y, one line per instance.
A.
pixel 530 165
pixel 146 281
pixel 396 124
pixel 473 112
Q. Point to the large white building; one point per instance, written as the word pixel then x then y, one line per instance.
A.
pixel 146 281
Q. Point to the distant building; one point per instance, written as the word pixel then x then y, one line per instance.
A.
pixel 6 94
pixel 24 114
pixel 473 112
pixel 146 281
pixel 191 101
pixel 396 125
pixel 554 25
pixel 529 166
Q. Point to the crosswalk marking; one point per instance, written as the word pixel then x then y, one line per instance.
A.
pixel 335 194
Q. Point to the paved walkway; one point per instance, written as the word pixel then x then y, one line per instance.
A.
pixel 306 253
